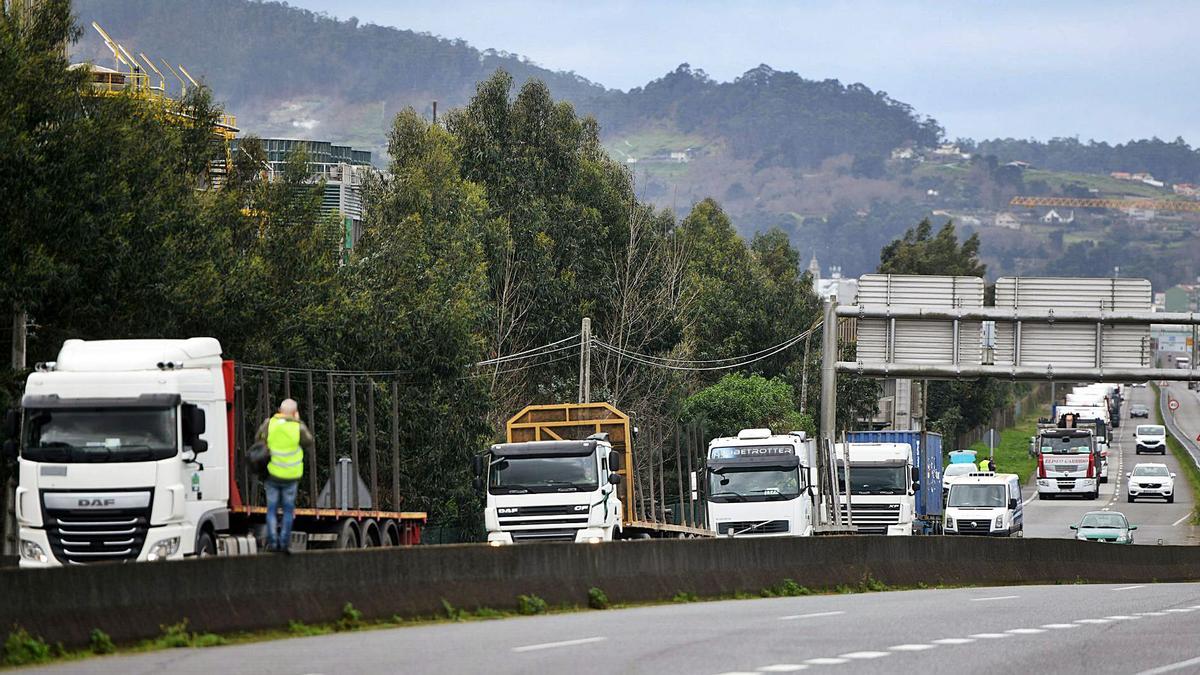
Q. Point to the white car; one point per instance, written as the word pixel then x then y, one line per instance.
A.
pixel 1151 480
pixel 1151 438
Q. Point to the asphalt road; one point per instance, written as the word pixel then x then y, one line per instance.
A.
pixel 1146 629
pixel 1156 520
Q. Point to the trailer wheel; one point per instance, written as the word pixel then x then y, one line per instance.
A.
pixel 390 534
pixel 370 534
pixel 347 536
pixel 205 545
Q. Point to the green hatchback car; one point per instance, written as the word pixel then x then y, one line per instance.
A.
pixel 1110 527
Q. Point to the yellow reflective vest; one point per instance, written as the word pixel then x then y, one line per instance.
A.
pixel 283 440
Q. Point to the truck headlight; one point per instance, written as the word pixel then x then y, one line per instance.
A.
pixel 163 549
pixel 950 522
pixel 594 540
pixel 999 522
pixel 31 550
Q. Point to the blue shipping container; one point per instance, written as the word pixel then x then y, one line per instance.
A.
pixel 927 456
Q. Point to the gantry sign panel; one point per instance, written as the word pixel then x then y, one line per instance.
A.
pixel 915 340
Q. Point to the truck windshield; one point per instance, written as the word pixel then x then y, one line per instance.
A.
pixel 544 474
pixel 70 435
pixel 874 480
pixel 977 496
pixel 753 484
pixel 1066 445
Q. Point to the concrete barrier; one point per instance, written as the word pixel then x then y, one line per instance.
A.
pixel 131 601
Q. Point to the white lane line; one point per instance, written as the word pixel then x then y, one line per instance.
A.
pixel 1180 610
pixel 1172 666
pixel 1127 588
pixel 826 661
pixel 865 655
pixel 998 597
pixel 738 672
pixel 952 641
pixel 1026 631
pixel 808 616
pixel 783 668
pixel 1094 621
pixel 554 645
pixel 1026 502
pixel 1059 625
pixel 1194 607
pixel 1122 617
pixel 1152 613
pixel 1185 517
pixel 990 636
pixel 911 648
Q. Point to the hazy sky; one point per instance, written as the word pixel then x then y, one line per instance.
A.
pixel 1024 68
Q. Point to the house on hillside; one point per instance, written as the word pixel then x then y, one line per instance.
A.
pixel 1186 190
pixel 681 156
pixel 904 153
pixel 1018 164
pixel 1052 216
pixel 1121 175
pixel 1141 214
pixel 1140 176
pixel 1006 220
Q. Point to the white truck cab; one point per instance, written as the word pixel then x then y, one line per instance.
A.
pixel 760 484
pixel 881 490
pixel 110 466
pixel 1068 463
pixel 985 503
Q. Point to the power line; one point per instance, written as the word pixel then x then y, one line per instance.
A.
pixel 747 359
pixel 674 361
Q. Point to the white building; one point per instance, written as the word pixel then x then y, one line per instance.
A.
pixel 1052 216
pixel 1007 221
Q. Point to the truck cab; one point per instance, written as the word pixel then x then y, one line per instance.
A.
pixel 551 491
pixel 882 488
pixel 760 484
pixel 112 453
pixel 985 503
pixel 1068 463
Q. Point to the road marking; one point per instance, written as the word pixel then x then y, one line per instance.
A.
pixel 1026 631
pixel 1059 625
pixel 1169 667
pixel 826 661
pixel 783 668
pixel 865 655
pixel 1127 588
pixel 1180 610
pixel 1152 613
pixel 738 672
pixel 1094 621
pixel 911 648
pixel 1185 517
pixel 1122 617
pixel 808 616
pixel 1026 502
pixel 953 641
pixel 998 597
pixel 990 636
pixel 554 645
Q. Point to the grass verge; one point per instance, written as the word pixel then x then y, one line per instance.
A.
pixel 1186 463
pixel 1012 451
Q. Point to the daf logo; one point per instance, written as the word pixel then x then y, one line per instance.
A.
pixel 512 509
pixel 96 503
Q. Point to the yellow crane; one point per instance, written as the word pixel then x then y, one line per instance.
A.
pixel 1121 204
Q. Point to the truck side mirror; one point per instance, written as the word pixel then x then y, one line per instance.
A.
pixel 916 474
pixel 477 483
pixel 193 427
pixel 12 424
pixel 916 486
pixel 614 478
pixel 477 466
pixel 614 460
pixel 1012 505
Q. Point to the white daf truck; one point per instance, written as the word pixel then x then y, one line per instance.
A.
pixel 881 490
pixel 126 453
pixel 760 484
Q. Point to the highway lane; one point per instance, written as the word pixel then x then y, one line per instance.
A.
pixel 1067 629
pixel 1156 520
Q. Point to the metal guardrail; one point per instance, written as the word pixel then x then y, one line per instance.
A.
pixel 1168 419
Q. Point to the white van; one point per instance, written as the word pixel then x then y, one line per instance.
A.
pixel 985 503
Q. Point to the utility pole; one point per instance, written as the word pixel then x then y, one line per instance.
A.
pixel 826 464
pixel 19 328
pixel 585 361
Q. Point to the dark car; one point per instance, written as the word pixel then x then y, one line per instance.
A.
pixel 1139 410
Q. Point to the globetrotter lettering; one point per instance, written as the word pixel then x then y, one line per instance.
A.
pixel 751 451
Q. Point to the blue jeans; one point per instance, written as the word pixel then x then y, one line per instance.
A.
pixel 280 491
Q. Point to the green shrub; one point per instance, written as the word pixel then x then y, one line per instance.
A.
pixel 789 588
pixel 175 635
pixel 101 643
pixel 452 612
pixel 684 596
pixel 597 599
pixel 351 618
pixel 488 613
pixel 207 640
pixel 874 585
pixel 530 604
pixel 301 628
pixel 21 648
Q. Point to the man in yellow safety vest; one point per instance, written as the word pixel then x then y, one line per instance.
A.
pixel 288 439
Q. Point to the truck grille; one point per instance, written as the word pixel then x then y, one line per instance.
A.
pixel 85 536
pixel 873 518
pixel 753 527
pixel 983 526
pixel 540 516
pixel 531 536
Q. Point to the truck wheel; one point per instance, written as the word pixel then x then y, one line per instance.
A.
pixel 390 534
pixel 205 545
pixel 347 535
pixel 370 534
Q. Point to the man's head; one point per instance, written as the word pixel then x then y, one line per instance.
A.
pixel 289 408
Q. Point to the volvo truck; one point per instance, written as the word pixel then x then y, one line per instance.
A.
pixel 127 451
pixel 760 484
pixel 567 474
